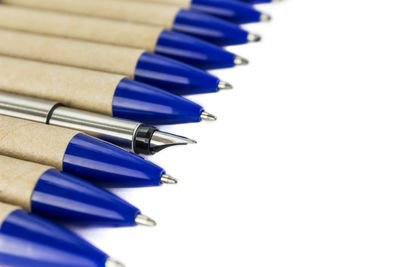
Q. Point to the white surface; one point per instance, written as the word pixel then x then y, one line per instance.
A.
pixel 302 167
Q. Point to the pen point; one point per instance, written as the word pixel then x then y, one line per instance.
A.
pixel 167 179
pixel 208 117
pixel 113 263
pixel 265 17
pixel 161 140
pixel 222 85
pixel 252 37
pixel 240 61
pixel 144 220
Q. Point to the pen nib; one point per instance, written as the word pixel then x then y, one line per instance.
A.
pixel 161 140
pixel 144 220
pixel 222 85
pixel 265 17
pixel 167 179
pixel 208 117
pixel 113 263
pixel 252 37
pixel 240 61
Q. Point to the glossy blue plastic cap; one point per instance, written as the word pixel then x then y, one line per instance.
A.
pixel 27 240
pixel 62 197
pixel 141 102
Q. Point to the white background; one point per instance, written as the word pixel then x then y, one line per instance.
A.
pixel 302 167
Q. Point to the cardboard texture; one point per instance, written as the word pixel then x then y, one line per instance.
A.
pixel 101 57
pixel 18 179
pixel 180 3
pixel 138 12
pixel 79 88
pixel 82 28
pixel 35 142
pixel 5 210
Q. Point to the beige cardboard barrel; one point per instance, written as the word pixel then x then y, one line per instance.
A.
pixel 79 27
pixel 74 53
pixel 18 179
pixel 138 12
pixel 35 142
pixel 5 210
pixel 79 88
pixel 179 3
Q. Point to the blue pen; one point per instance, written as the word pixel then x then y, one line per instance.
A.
pixel 81 155
pixel 155 39
pixel 259 1
pixel 230 10
pixel 100 92
pixel 59 196
pixel 29 240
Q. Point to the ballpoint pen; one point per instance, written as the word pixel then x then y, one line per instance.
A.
pixel 109 94
pixel 150 38
pixel 135 136
pixel 136 64
pixel 190 22
pixel 29 240
pixel 79 154
pixel 59 196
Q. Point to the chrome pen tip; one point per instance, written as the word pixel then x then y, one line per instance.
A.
pixel 240 61
pixel 161 140
pixel 167 179
pixel 252 37
pixel 113 263
pixel 222 85
pixel 208 116
pixel 264 17
pixel 145 220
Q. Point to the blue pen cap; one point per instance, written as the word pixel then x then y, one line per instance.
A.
pixel 141 102
pixel 106 164
pixel 27 240
pixel 257 1
pixel 62 197
pixel 232 11
pixel 174 76
pixel 193 51
pixel 209 28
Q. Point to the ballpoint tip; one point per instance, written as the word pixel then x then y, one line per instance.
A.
pixel 208 116
pixel 240 61
pixel 161 140
pixel 265 17
pixel 167 179
pixel 252 37
pixel 222 85
pixel 145 220
pixel 113 263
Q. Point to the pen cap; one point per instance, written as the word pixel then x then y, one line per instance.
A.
pixel 29 240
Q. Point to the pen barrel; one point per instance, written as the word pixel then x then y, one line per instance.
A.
pixel 180 3
pixel 35 142
pixel 85 89
pixel 138 12
pixel 77 27
pixel 101 57
pixel 18 180
pixel 5 210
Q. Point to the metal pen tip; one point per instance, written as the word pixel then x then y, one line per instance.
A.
pixel 167 179
pixel 222 85
pixel 240 61
pixel 208 116
pixel 252 37
pixel 161 140
pixel 113 263
pixel 265 17
pixel 145 220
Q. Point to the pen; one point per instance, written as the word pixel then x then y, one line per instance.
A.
pixel 133 63
pixel 150 38
pixel 29 240
pixel 59 196
pixel 197 24
pixel 109 94
pixel 79 154
pixel 135 136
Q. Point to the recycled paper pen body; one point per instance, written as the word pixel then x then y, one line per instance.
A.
pixel 169 17
pixel 79 154
pixel 104 93
pixel 150 38
pixel 29 240
pixel 135 136
pixel 136 64
pixel 229 10
pixel 59 196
